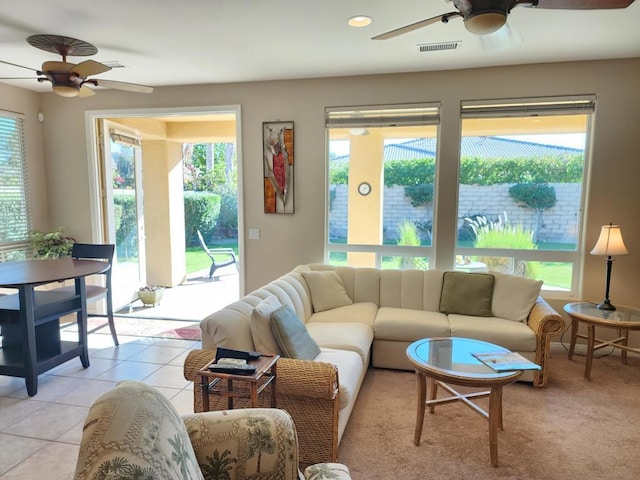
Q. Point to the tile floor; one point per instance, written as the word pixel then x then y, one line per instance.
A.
pixel 40 435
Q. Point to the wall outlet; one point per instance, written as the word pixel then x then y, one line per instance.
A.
pixel 254 234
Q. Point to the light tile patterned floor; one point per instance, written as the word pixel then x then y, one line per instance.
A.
pixel 40 435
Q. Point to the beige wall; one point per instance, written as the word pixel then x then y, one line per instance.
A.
pixel 288 240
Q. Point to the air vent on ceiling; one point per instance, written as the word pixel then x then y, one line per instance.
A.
pixel 436 47
pixel 113 64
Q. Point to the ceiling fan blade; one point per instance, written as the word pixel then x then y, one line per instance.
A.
pixel 414 26
pixel 89 67
pixel 129 87
pixel 16 65
pixel 18 78
pixel 85 92
pixel 582 4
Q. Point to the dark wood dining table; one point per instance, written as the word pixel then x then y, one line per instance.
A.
pixel 30 317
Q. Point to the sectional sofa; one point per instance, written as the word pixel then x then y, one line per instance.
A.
pixel 362 317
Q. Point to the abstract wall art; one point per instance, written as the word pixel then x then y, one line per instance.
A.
pixel 278 167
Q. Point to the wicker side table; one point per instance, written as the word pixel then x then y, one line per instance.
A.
pixel 240 386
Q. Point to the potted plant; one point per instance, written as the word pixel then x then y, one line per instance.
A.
pixel 150 295
pixel 51 244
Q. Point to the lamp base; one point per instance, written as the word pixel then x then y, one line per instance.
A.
pixel 605 305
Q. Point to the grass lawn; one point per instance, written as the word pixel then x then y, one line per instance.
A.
pixel 198 260
pixel 554 274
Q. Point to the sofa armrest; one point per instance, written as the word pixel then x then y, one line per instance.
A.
pixel 546 323
pixel 308 378
pixel 221 439
pixel 308 390
pixel 195 361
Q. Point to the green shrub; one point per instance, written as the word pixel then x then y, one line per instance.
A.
pixel 201 210
pixel 501 234
pixel 537 196
pixel 476 171
pixel 408 236
pixel 419 194
pixel 126 225
pixel 227 221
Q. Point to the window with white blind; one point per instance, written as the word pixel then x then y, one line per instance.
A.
pixel 15 215
pixel 381 169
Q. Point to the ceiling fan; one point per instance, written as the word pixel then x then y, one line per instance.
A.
pixel 70 79
pixel 483 17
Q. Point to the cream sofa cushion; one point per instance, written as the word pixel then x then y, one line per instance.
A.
pixel 364 312
pixel 514 297
pixel 260 323
pixel 327 290
pixel 408 325
pixel 516 336
pixel 349 371
pixel 353 336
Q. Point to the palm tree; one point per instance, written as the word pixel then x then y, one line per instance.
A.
pixel 260 438
pixel 219 466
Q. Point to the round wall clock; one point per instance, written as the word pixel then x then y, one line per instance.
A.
pixel 364 188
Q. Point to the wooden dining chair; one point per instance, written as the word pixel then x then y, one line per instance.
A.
pixel 89 251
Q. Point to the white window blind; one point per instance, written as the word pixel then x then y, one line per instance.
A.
pixel 534 107
pixel 380 116
pixel 15 214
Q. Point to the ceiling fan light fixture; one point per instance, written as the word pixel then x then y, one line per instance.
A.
pixel 485 23
pixel 66 90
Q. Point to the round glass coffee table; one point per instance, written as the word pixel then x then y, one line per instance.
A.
pixel 446 361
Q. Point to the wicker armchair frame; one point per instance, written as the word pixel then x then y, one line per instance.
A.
pixel 307 390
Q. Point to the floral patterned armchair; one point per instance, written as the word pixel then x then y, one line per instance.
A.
pixel 133 432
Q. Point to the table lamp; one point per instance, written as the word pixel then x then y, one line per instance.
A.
pixel 609 243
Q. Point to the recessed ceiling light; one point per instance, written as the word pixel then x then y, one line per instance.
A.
pixel 360 21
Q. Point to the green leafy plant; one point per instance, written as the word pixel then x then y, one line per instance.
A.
pixel 536 196
pixel 419 194
pixel 51 244
pixel 476 171
pixel 502 234
pixel 201 211
pixel 408 235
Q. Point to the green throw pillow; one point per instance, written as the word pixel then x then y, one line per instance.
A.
pixel 467 293
pixel 291 335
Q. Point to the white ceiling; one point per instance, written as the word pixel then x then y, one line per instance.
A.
pixel 165 42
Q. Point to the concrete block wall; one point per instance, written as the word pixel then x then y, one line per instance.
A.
pixel 560 223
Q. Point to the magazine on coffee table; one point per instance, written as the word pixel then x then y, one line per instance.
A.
pixel 506 361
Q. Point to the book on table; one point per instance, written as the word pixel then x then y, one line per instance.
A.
pixel 506 361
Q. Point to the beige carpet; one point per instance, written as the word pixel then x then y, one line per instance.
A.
pixel 573 429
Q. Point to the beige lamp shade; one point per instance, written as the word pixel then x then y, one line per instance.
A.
pixel 610 242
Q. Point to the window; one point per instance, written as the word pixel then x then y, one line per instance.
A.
pixel 520 188
pixel 519 185
pixel 15 215
pixel 381 171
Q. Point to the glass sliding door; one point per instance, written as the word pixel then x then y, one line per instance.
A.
pixel 122 174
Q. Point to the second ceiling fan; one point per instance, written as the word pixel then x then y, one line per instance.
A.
pixel 483 17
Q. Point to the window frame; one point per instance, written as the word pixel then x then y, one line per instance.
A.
pixel 20 247
pixel 545 106
pixel 371 116
pixel 444 203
